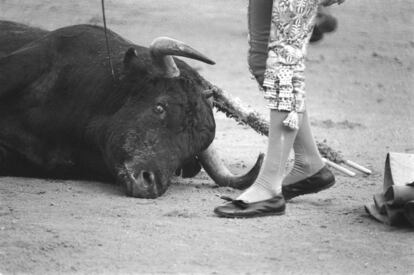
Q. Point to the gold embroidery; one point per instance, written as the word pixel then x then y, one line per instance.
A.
pixel 284 83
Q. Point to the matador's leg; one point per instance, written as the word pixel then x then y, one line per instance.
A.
pixel 283 84
pixel 284 88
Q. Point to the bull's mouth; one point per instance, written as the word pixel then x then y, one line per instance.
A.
pixel 143 183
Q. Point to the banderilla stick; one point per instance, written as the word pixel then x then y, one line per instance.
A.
pixel 339 167
pixel 358 167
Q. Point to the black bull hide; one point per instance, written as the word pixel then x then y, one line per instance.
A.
pixel 63 114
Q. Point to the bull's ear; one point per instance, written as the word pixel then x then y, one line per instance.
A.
pixel 130 58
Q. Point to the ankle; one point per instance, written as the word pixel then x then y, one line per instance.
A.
pixel 302 170
pixel 307 165
pixel 259 191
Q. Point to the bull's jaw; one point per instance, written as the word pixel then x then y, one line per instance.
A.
pixel 142 183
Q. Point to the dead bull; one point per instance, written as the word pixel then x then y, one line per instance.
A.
pixel 63 115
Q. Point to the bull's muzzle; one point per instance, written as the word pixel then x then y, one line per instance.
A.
pixel 143 184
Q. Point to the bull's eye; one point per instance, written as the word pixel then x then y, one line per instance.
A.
pixel 159 108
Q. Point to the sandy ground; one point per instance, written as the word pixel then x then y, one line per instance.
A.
pixel 360 83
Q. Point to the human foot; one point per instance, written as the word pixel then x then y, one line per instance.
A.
pixel 319 181
pixel 240 209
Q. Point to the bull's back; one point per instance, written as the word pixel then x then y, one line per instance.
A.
pixel 59 76
pixel 15 35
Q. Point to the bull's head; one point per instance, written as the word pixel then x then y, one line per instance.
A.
pixel 165 123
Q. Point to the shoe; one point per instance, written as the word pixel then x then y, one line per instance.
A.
pixel 324 23
pixel 327 23
pixel 317 35
pixel 242 209
pixel 322 180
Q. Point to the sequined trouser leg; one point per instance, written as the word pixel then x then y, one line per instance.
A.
pixel 290 29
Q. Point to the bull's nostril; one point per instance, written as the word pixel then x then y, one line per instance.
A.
pixel 148 176
pixel 144 184
pixel 144 176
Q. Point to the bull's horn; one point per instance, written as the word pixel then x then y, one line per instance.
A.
pixel 162 49
pixel 213 165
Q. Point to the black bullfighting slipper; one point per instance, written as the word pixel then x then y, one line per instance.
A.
pixel 242 209
pixel 319 181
